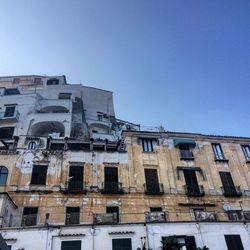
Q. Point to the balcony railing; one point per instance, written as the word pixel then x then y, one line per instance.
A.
pixel 205 216
pixel 108 218
pixel 186 155
pixel 29 220
pixel 231 191
pixel 8 118
pixel 72 218
pixel 112 188
pixel 155 217
pixel 156 189
pixel 194 190
pixel 77 187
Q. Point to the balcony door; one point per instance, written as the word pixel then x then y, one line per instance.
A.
pixel 227 183
pixel 111 179
pixel 152 182
pixel 76 178
pixel 191 181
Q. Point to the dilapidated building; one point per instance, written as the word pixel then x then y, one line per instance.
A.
pixel 73 176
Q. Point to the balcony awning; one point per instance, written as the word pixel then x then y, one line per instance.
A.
pixel 184 141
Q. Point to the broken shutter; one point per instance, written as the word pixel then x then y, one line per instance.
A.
pixel 227 182
pixel 234 242
pixel 152 182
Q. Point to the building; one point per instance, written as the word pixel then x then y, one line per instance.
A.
pixel 73 176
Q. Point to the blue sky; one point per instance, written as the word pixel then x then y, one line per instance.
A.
pixel 183 64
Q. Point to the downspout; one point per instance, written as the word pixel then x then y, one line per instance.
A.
pixel 147 235
pixel 92 230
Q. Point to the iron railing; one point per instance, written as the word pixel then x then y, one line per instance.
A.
pixel 231 191
pixel 75 187
pixel 29 220
pixel 112 188
pixel 107 218
pixel 156 217
pixel 156 189
pixel 186 155
pixel 72 218
pixel 194 190
pixel 205 216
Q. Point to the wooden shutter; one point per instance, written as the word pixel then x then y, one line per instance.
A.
pixel 152 182
pixel 227 182
pixel 71 245
pixel 122 244
pixel 191 181
pixel 234 242
pixel 39 175
pixel 111 178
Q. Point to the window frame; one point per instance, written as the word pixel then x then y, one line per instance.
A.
pixel 5 174
pixel 122 239
pixel 218 154
pixel 37 181
pixel 147 144
pixel 246 153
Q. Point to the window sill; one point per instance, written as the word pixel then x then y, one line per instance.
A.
pixel 149 152
pixel 221 160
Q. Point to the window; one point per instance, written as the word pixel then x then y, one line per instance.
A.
pixel 6 132
pixel 186 242
pixel 72 215
pixel 29 216
pixel 75 179
pixel 186 152
pixel 228 184
pixel 113 210
pixel 233 242
pixel 53 81
pixel 99 117
pixel 246 151
pixel 3 175
pixel 192 187
pixel 111 184
pixel 122 244
pixel 147 145
pixel 155 209
pixel 152 183
pixel 9 111
pixel 12 92
pixel 218 153
pixel 32 145
pixel 71 245
pixel 39 174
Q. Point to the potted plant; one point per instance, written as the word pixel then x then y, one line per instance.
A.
pixel 171 243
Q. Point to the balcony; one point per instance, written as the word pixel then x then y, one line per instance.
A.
pixel 75 187
pixel 9 118
pixel 151 217
pixel 194 190
pixel 112 188
pixel 29 220
pixel 156 189
pixel 231 191
pixel 205 216
pixel 72 218
pixel 186 155
pixel 101 219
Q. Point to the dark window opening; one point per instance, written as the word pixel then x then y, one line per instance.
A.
pixel 3 175
pixel 246 151
pixel 113 210
pixel 147 145
pixel 152 185
pixel 72 215
pixel 99 117
pixel 53 81
pixel 98 147
pixel 233 242
pixel 155 209
pixel 11 92
pixel 39 175
pixel 9 111
pixel 79 146
pixel 122 244
pixel 6 132
pixel 75 180
pixel 229 188
pixel 192 187
pixel 29 216
pixel 111 184
pixel 186 152
pixel 218 153
pixel 71 245
pixel 184 241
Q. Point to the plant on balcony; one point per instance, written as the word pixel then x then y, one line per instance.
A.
pixel 202 248
pixel 171 243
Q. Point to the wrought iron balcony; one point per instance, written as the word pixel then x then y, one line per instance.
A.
pixel 108 218
pixel 235 215
pixel 205 216
pixel 29 220
pixel 112 188
pixel 9 118
pixel 231 191
pixel 75 187
pixel 72 218
pixel 156 217
pixel 194 190
pixel 186 155
pixel 156 189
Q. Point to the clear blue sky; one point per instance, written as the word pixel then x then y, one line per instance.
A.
pixel 184 64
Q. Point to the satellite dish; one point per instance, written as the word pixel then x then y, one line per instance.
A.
pixel 226 207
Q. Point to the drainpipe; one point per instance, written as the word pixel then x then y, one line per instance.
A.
pixel 147 235
pixel 92 231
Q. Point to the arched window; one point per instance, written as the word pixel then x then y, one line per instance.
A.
pixel 32 145
pixel 3 175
